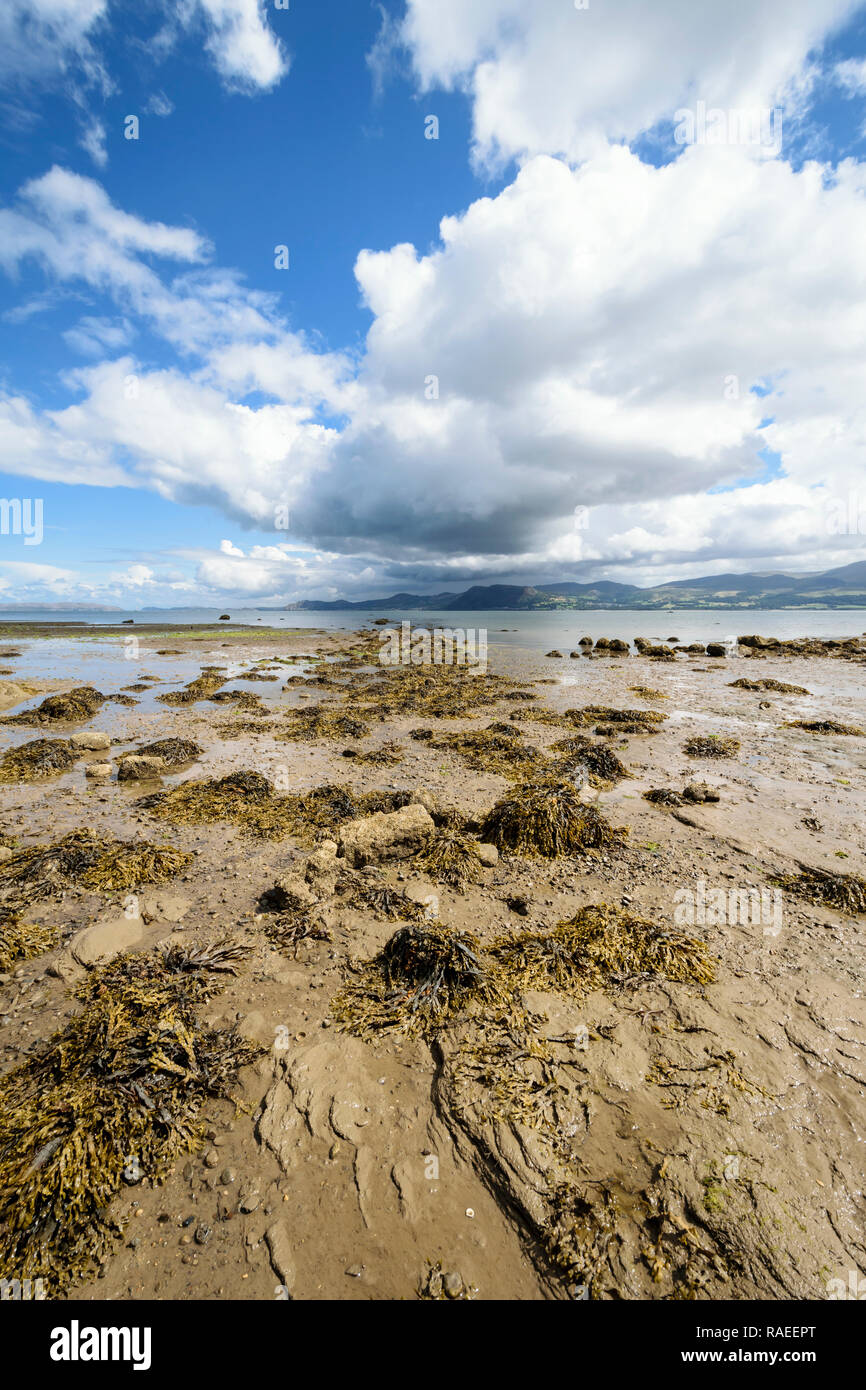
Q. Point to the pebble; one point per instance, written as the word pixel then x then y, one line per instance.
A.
pixel 227 1175
pixel 211 1159
pixel 202 1235
pixel 453 1284
pixel 355 1271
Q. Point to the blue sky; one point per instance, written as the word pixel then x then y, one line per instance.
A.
pixel 598 323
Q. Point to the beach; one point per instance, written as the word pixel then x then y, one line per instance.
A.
pixel 674 1111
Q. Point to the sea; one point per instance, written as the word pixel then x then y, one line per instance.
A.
pixel 535 631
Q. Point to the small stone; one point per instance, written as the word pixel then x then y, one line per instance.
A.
pixel 453 1284
pixel 355 1271
pixel 489 855
pixel 98 771
pixel 227 1176
pixel 211 1159
pixel 92 740
pixel 202 1234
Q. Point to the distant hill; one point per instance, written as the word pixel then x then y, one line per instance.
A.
pixel 837 588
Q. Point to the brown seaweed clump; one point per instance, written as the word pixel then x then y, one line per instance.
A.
pixel 712 746
pixel 663 796
pixel 112 1099
pixel 202 688
pixel 646 692
pixel 847 892
pixel 42 757
pixel 248 800
pixel 421 979
pixel 825 726
pixel 387 903
pixel 288 929
pixel 451 857
pixel 321 721
pixel 781 687
pixel 173 751
pixel 72 707
pixel 602 765
pixel 598 947
pixel 628 720
pixel 20 941
pixel 498 748
pixel 386 755
pixel 84 860
pixel 548 818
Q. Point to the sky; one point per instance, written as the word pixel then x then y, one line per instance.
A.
pixel 320 298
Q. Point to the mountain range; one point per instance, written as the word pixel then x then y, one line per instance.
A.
pixel 837 588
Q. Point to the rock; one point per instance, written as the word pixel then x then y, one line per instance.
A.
pixel 716 649
pixel 585 642
pixel 250 1198
pixel 697 648
pixel 93 740
pixel 602 644
pixel 575 654
pixel 138 767
pixel 292 892
pixel 698 792
pixel 755 641
pixel 517 903
pixel 98 770
pixel 617 645
pixel 225 617
pixel 386 835
pixel 320 869
pixel 282 1258
pixel 423 796
pixel 489 855
pixel 453 1284
pixel 555 653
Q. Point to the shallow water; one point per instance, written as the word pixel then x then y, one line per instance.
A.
pixel 534 629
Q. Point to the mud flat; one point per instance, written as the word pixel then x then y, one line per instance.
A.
pixel 385 983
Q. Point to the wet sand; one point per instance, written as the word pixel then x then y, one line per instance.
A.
pixel 715 1131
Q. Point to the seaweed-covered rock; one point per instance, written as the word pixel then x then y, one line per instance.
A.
pixel 716 649
pixel 136 768
pixel 74 705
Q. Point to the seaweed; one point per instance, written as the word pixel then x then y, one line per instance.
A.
pixel 248 799
pixel 646 692
pixel 498 749
pixel 42 757
pixel 289 929
pixel 781 686
pixel 591 714
pixel 421 979
pixel 598 947
pixel 825 726
pixel 847 892
pixel 72 707
pixel 712 746
pixel 113 1098
pixel 321 721
pixel 547 818
pixel 173 751
pixel 386 755
pixel 82 859
pixel 387 903
pixel 663 796
pixel 202 688
pixel 20 941
pixel 451 857
pixel 603 766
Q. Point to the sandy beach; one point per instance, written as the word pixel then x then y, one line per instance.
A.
pixel 672 1109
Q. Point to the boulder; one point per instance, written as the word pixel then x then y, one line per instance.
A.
pixel 489 855
pixel 755 641
pixel 716 649
pixel 138 767
pixel 93 740
pixel 602 644
pixel 386 835
pixel 697 648
pixel 585 642
pixel 100 771
pixel 618 645
pixel 554 653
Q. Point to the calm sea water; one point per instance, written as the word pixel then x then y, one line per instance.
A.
pixel 538 630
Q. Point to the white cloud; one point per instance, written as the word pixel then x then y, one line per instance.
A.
pixel 851 75
pixel 547 77
pixel 594 332
pixel 246 52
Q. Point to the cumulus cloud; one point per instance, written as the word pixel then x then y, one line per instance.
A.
pixel 551 353
pixel 550 78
